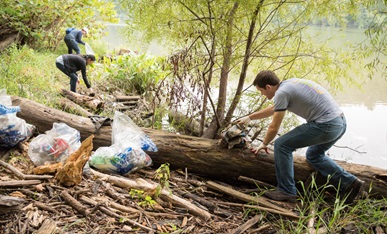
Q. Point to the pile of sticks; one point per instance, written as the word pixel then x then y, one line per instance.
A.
pixel 104 203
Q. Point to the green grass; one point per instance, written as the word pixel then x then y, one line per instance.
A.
pixel 321 210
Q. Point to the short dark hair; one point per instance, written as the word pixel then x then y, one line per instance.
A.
pixel 89 56
pixel 266 77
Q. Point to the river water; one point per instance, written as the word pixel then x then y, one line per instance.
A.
pixel 365 141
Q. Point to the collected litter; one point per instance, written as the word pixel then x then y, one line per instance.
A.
pixel 55 145
pixel 234 136
pixel 12 128
pixel 127 152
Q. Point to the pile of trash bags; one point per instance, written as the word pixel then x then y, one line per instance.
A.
pixel 125 155
pixel 12 128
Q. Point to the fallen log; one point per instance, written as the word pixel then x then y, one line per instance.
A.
pixel 197 155
pixel 83 100
pixel 70 106
pixel 122 98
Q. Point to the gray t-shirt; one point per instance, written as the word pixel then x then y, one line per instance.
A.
pixel 306 99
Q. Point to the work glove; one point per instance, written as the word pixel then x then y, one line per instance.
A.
pixel 262 146
pixel 243 120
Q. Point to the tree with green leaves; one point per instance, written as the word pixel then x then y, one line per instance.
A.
pixel 223 44
pixel 41 23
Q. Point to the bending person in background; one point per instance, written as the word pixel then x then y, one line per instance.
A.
pixel 325 125
pixel 70 64
pixel 73 38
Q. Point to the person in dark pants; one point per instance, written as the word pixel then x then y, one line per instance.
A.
pixel 70 64
pixel 73 38
pixel 325 125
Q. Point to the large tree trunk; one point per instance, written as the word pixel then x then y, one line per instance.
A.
pixel 198 155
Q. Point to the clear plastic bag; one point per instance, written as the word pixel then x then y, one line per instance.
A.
pixel 54 146
pixel 88 48
pixel 127 152
pixel 126 133
pixel 112 159
pixel 12 128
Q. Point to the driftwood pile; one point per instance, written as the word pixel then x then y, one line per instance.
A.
pixel 138 203
pixel 71 198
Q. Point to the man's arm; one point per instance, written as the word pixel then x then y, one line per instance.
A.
pixel 274 126
pixel 79 38
pixel 267 112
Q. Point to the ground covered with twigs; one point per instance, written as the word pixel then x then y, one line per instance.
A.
pixel 99 206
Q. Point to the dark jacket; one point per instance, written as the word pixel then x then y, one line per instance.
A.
pixel 76 35
pixel 74 63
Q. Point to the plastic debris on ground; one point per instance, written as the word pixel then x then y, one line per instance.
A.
pixel 55 145
pixel 12 128
pixel 127 152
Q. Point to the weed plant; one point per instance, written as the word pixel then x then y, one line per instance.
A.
pixel 323 210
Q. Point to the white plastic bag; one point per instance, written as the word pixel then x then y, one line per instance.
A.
pixel 12 128
pixel 54 146
pixel 88 48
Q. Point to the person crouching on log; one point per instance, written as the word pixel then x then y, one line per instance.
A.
pixel 70 64
pixel 325 125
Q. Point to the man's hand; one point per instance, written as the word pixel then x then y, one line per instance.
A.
pixel 262 146
pixel 243 120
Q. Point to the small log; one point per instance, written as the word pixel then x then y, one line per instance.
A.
pixel 125 108
pixel 247 225
pixel 74 203
pixel 83 100
pixel 43 206
pixel 122 98
pixel 19 183
pixel 10 200
pixel 247 198
pixel 72 107
pixel 130 103
pixel 210 205
pixel 23 176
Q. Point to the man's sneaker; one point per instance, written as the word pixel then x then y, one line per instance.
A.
pixel 280 196
pixel 351 193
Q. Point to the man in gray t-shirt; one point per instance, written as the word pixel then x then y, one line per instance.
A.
pixel 324 127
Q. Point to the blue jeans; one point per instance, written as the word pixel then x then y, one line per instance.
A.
pixel 320 137
pixel 72 45
pixel 73 77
